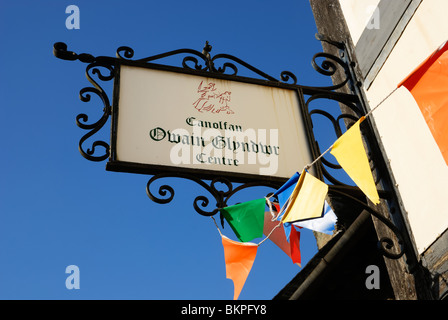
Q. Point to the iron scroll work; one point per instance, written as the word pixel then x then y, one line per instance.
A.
pixel 105 69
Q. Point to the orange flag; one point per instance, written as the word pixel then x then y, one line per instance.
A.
pixel 428 84
pixel 239 258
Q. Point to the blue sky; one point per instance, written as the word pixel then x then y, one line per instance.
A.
pixel 58 209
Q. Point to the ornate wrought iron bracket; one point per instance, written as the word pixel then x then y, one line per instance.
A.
pixel 101 68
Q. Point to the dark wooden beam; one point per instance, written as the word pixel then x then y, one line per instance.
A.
pixel 331 23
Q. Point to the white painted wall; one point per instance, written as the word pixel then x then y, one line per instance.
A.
pixel 357 14
pixel 416 162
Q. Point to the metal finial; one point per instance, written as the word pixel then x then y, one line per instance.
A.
pixel 207 49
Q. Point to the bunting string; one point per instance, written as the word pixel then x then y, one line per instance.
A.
pixel 367 115
pixel 216 226
pixel 301 200
pixel 308 166
pixel 302 204
pixel 266 238
pixel 275 216
pixel 381 102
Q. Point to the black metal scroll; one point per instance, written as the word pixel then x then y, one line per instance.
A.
pixel 165 193
pixel 95 68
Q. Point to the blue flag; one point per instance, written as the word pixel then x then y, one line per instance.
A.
pixel 285 191
pixel 326 224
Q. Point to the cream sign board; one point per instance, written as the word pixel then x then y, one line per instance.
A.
pixel 165 120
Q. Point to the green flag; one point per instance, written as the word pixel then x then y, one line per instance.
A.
pixel 246 219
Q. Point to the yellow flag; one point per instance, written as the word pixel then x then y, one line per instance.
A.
pixel 307 199
pixel 351 155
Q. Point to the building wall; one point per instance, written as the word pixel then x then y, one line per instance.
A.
pixel 412 31
pixel 358 14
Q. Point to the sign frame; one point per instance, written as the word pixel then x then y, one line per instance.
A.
pixel 116 165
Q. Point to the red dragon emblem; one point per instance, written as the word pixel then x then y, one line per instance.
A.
pixel 211 100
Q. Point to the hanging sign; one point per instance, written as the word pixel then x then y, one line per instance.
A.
pixel 184 122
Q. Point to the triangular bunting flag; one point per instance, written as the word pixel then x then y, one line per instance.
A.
pixel 326 224
pixel 307 199
pixel 246 219
pixel 428 84
pixel 351 155
pixel 277 236
pixel 284 192
pixel 239 258
pixel 294 241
